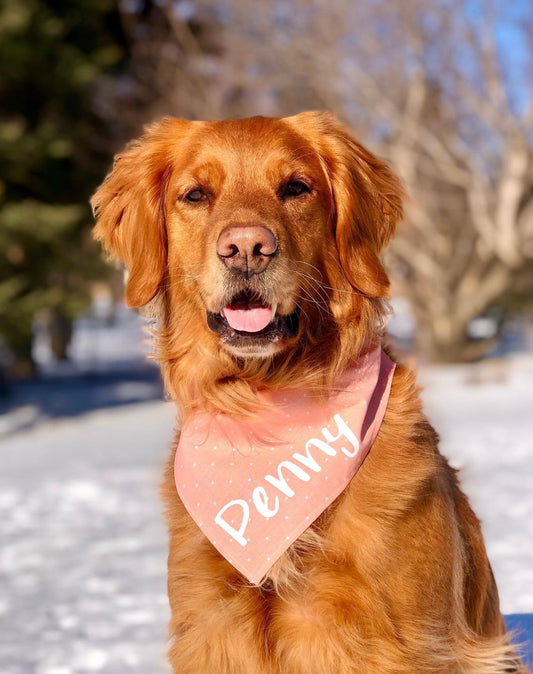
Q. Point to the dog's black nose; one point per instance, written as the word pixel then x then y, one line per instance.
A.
pixel 246 249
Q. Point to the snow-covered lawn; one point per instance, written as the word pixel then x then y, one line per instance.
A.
pixel 484 415
pixel 83 552
pixel 83 549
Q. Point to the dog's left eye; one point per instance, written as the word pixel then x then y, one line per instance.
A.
pixel 295 188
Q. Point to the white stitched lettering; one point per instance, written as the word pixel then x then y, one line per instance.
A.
pixel 308 460
pixel 260 499
pixel 237 534
pixel 280 482
pixel 346 431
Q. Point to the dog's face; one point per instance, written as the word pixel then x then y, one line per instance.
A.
pixel 248 215
pixel 250 227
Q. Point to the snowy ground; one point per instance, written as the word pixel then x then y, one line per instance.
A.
pixel 83 550
pixel 484 416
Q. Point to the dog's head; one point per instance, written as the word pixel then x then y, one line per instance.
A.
pixel 257 233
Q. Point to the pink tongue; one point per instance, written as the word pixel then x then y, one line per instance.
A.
pixel 248 320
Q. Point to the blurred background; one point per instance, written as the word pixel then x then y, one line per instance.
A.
pixel 440 88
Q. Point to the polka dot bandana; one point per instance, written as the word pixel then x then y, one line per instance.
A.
pixel 253 487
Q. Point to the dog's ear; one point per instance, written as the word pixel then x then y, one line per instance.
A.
pixel 368 200
pixel 129 208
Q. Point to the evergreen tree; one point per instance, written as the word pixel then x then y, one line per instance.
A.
pixel 54 150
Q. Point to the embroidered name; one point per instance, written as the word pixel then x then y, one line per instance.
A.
pixel 262 500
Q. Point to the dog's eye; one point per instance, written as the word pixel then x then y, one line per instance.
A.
pixel 196 196
pixel 295 188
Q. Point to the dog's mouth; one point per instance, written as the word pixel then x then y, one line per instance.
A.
pixel 250 326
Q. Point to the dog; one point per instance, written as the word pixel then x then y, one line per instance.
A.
pixel 256 245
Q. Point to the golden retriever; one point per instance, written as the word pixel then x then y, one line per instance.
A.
pixel 280 223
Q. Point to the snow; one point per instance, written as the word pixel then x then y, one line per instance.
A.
pixel 83 552
pixel 82 564
pixel 484 416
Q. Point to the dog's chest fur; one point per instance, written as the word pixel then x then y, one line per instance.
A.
pixel 347 591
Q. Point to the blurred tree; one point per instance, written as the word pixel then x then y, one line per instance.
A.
pixel 441 89
pixel 461 134
pixel 177 64
pixel 54 150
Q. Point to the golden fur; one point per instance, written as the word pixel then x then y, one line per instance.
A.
pixel 393 577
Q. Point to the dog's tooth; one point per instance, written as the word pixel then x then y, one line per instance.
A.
pixel 222 313
pixel 274 308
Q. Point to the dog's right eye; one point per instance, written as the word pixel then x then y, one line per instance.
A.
pixel 294 188
pixel 196 196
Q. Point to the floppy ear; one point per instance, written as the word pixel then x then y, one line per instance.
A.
pixel 368 199
pixel 129 208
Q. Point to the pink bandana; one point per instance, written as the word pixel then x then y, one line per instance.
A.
pixel 253 487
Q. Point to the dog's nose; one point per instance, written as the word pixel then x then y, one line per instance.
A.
pixel 246 249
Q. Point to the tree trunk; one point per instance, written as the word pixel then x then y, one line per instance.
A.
pixel 60 328
pixel 23 366
pixel 447 341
